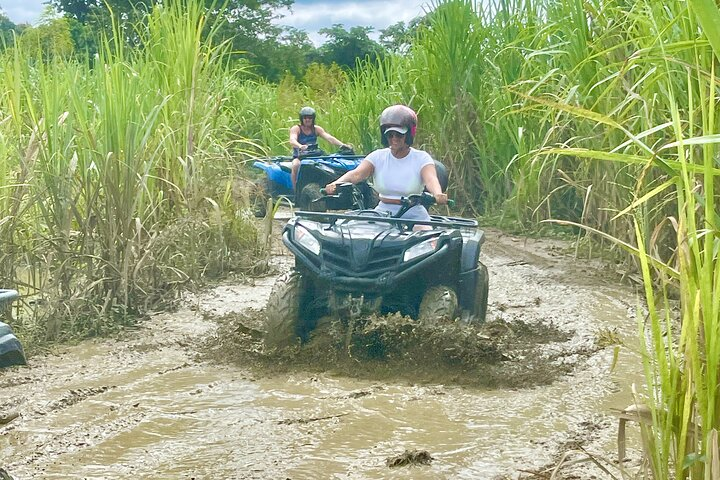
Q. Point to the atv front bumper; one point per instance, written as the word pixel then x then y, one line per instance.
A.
pixel 382 283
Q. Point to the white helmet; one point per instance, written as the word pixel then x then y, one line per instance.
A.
pixel 401 119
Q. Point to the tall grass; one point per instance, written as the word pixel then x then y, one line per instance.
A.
pixel 668 151
pixel 601 114
pixel 120 180
pixel 115 182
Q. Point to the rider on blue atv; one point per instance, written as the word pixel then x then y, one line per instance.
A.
pixel 397 170
pixel 306 133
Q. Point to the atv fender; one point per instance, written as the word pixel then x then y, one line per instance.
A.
pixel 468 270
pixel 275 173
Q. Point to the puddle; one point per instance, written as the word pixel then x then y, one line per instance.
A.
pixel 194 394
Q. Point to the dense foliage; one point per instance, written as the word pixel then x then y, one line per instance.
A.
pixel 119 183
pixel 250 27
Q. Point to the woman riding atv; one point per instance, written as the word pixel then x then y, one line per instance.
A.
pixel 398 170
pixel 304 134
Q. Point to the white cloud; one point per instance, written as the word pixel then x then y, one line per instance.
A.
pixel 23 11
pixel 312 16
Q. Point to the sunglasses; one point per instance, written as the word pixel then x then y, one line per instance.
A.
pixel 393 133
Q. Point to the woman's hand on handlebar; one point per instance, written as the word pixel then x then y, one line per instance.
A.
pixel 330 189
pixel 441 198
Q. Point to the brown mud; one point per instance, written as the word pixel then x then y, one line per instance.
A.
pixel 194 394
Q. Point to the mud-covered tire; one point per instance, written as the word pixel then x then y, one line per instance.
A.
pixel 439 303
pixel 260 196
pixel 283 320
pixel 482 289
pixel 308 195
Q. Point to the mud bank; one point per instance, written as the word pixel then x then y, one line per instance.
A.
pixel 193 393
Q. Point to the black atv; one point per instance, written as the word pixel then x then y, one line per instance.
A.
pixel 362 261
pixel 11 351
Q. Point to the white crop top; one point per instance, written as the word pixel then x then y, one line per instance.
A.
pixel 398 177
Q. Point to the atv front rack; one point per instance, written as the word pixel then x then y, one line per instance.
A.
pixel 435 220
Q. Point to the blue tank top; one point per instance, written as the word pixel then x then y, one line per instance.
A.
pixel 305 140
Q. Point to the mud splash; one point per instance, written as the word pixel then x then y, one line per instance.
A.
pixel 395 348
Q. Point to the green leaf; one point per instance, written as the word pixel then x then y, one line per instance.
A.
pixel 691 459
pixel 709 17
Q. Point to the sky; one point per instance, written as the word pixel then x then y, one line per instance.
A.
pixel 312 15
pixel 308 15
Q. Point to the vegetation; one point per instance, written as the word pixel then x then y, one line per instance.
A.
pixel 121 175
pixel 250 27
pixel 116 185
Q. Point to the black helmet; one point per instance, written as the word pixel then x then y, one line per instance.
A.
pixel 307 112
pixel 401 119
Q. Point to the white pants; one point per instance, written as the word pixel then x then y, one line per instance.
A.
pixel 418 212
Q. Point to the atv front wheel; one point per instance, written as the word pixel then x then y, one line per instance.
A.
pixel 283 313
pixel 439 303
pixel 308 196
pixel 482 288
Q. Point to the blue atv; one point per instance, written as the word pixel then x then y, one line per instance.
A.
pixel 317 169
pixel 11 351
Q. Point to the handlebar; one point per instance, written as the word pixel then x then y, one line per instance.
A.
pixel 425 199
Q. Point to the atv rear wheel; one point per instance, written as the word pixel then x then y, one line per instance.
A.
pixel 284 310
pixel 370 197
pixel 259 197
pixel 438 303
pixel 482 288
pixel 308 195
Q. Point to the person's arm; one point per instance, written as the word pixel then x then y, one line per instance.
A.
pixel 325 135
pixel 358 174
pixel 294 131
pixel 430 179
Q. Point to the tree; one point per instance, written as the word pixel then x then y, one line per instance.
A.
pixel 247 18
pixel 83 10
pixel 292 54
pixel 398 37
pixel 8 31
pixel 247 24
pixel 345 47
pixel 51 38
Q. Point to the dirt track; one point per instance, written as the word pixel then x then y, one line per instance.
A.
pixel 191 394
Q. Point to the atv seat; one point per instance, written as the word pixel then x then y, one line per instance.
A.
pixel 442 174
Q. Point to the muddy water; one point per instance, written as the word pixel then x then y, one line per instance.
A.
pixel 191 394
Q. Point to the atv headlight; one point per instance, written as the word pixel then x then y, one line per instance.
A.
pixel 420 249
pixel 305 238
